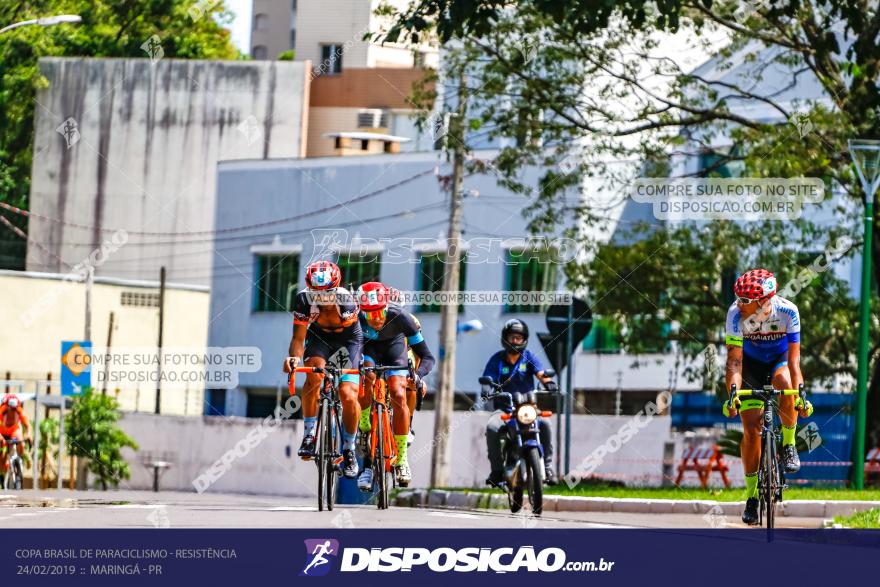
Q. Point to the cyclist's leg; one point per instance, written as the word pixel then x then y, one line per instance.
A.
pixel 316 353
pixel 352 340
pixel 366 399
pixel 787 412
pixel 755 375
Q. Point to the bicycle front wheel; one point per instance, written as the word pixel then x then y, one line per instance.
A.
pixel 770 479
pixel 321 457
pixel 330 462
pixel 16 468
pixel 379 462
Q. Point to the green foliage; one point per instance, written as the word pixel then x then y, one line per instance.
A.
pixel 92 432
pixel 109 28
pixel 288 55
pixel 48 446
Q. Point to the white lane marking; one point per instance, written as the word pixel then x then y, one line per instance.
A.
pixel 136 506
pixel 455 515
pixel 292 508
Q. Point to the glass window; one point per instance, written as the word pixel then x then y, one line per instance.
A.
pixel 357 269
pixel 276 286
pixel 261 22
pixel 530 270
pixel 331 58
pixel 714 164
pixel 260 52
pixel 430 277
pixel 602 338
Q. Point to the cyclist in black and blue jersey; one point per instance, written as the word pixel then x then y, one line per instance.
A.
pixel 763 337
pixel 389 332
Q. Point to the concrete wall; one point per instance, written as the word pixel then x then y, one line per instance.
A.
pixel 38 311
pixel 149 137
pixel 273 468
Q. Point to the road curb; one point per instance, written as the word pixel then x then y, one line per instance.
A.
pixel 568 503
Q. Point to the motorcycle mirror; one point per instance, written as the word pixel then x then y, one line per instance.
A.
pixel 485 380
pixel 549 373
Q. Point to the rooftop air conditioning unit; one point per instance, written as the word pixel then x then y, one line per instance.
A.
pixel 372 118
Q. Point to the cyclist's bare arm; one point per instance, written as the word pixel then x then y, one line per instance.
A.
pixel 733 372
pixel 794 364
pixel 297 344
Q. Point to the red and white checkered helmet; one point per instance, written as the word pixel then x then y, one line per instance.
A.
pixel 756 284
pixel 322 276
pixel 11 400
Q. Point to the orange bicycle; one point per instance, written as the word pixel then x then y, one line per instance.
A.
pixel 382 449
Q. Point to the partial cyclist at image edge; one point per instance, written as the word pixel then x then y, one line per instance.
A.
pixel 12 419
pixel 390 332
pixel 325 326
pixel 515 368
pixel 763 339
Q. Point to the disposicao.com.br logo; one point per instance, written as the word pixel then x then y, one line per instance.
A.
pixel 445 559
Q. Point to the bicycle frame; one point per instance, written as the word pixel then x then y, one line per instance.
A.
pixel 13 465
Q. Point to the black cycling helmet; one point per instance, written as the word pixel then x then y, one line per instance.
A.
pixel 512 326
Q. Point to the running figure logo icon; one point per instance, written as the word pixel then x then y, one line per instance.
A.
pixel 318 551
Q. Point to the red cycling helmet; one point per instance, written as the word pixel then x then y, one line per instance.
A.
pixel 756 284
pixel 11 400
pixel 373 296
pixel 323 276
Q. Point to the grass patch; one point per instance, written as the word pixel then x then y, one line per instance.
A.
pixel 866 519
pixel 733 494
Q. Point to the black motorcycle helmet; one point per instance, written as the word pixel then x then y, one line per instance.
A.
pixel 512 326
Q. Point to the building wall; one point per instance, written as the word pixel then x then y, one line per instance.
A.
pixel 145 160
pixel 411 204
pixel 272 32
pixel 341 22
pixel 38 311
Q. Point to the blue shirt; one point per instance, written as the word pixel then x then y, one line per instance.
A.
pixel 768 339
pixel 514 378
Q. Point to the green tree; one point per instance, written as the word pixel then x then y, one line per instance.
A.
pixel 93 433
pixel 593 80
pixel 48 447
pixel 187 29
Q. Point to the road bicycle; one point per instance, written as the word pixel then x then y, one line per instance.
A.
pixel 327 454
pixel 13 478
pixel 771 473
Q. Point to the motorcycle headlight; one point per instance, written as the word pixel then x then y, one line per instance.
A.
pixel 526 414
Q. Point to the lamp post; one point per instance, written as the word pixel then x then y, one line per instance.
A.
pixel 46 21
pixel 866 158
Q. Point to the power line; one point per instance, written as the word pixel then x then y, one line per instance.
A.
pixel 338 205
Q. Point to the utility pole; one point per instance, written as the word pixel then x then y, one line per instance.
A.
pixel 89 279
pixel 445 397
pixel 107 354
pixel 159 351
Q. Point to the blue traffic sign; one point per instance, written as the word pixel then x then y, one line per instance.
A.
pixel 76 366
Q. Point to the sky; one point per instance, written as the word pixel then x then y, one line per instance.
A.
pixel 241 33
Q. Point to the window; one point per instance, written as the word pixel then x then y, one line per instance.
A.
pixel 139 299
pixel 530 270
pixel 603 338
pixel 331 58
pixel 276 285
pixel 430 277
pixel 260 52
pixel 293 38
pixel 358 268
pixel 716 164
pixel 215 402
pixel 261 22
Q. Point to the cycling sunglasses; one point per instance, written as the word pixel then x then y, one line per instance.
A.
pixel 747 301
pixel 375 314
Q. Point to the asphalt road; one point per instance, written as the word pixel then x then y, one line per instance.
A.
pixel 141 509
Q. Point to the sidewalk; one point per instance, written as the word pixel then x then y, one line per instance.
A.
pixel 565 503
